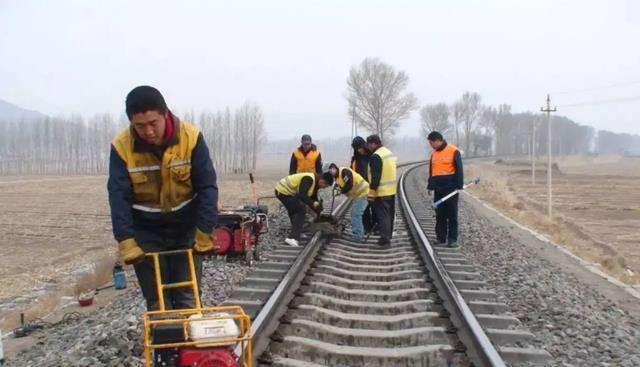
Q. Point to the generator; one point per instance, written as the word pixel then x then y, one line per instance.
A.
pixel 238 231
pixel 196 337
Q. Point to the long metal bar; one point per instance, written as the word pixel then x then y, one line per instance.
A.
pixel 479 346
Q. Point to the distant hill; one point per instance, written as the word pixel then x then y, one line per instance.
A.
pixel 11 112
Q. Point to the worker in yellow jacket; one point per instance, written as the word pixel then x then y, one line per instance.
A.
pixel 382 187
pixel 306 157
pixel 355 187
pixel 162 193
pixel 294 192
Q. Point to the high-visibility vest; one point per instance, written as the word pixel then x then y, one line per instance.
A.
pixel 160 184
pixel 387 185
pixel 360 186
pixel 306 163
pixel 443 161
pixel 290 184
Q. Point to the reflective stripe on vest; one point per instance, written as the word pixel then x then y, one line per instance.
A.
pixel 443 161
pixel 388 183
pixel 144 169
pixel 160 184
pixel 158 210
pixel 360 186
pixel 306 163
pixel 290 184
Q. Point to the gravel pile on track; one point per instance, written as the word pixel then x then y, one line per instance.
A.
pixel 572 321
pixel 111 336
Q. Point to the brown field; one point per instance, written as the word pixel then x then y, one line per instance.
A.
pixel 596 203
pixel 56 239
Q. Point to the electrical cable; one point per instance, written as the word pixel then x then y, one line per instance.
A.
pixel 605 101
pixel 618 85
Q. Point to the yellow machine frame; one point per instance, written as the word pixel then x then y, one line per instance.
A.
pixel 181 317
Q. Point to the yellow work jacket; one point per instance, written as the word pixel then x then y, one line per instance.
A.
pixel 388 183
pixel 360 186
pixel 290 184
pixel 160 184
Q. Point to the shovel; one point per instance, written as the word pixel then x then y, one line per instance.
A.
pixel 435 205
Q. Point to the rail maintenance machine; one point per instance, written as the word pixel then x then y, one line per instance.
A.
pixel 197 337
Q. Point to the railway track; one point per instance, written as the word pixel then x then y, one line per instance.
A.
pixel 334 302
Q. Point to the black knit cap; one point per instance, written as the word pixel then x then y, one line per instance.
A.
pixel 434 135
pixel 358 142
pixel 306 138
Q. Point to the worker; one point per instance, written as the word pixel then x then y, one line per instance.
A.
pixel 294 192
pixel 445 176
pixel 382 187
pixel 163 195
pixel 355 187
pixel 306 157
pixel 360 165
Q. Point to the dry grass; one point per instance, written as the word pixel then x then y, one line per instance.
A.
pixel 56 240
pixel 596 211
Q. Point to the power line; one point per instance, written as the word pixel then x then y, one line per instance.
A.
pixel 617 85
pixel 604 101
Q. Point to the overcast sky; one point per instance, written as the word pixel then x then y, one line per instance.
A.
pixel 293 57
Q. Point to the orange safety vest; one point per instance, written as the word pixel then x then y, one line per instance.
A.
pixel 306 163
pixel 443 161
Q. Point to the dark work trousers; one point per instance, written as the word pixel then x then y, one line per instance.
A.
pixel 446 217
pixel 173 268
pixel 296 210
pixel 384 210
pixel 368 218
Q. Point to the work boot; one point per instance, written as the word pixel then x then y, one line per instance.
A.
pixel 292 242
pixel 454 244
pixel 384 244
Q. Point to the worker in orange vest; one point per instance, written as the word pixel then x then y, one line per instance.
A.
pixel 306 158
pixel 445 176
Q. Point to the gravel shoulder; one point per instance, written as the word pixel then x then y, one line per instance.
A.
pixel 579 317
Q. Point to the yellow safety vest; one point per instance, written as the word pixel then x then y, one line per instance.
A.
pixel 306 163
pixel 290 184
pixel 388 183
pixel 160 184
pixel 360 186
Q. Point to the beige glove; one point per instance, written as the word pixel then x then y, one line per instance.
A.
pixel 130 252
pixel 204 242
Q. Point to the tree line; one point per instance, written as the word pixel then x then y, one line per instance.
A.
pixel 74 145
pixel 378 101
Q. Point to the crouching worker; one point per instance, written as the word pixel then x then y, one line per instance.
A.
pixel 163 195
pixel 297 190
pixel 355 187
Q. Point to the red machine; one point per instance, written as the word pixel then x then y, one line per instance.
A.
pixel 239 230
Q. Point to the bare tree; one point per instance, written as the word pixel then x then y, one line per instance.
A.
pixel 458 116
pixel 435 117
pixel 376 92
pixel 471 110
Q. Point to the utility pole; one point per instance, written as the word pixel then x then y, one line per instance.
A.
pixel 533 154
pixel 354 125
pixel 548 110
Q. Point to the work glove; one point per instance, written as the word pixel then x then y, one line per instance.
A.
pixel 130 252
pixel 204 242
pixel 317 207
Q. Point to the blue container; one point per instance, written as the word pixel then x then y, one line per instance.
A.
pixel 119 277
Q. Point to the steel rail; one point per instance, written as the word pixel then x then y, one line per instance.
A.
pixel 479 347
